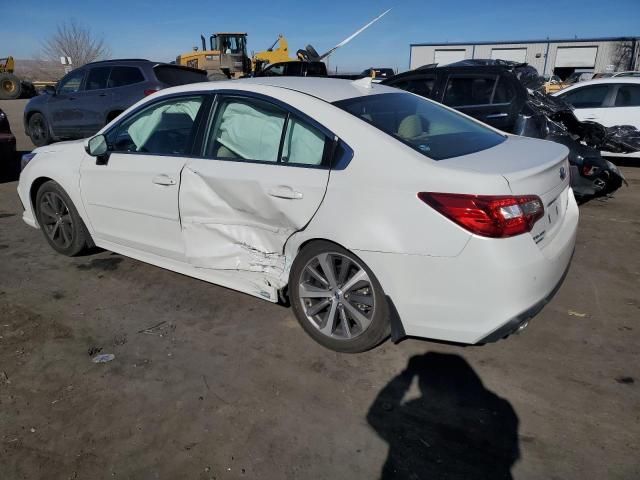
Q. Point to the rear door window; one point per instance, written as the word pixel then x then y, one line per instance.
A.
pixel 429 128
pixel 504 92
pixel 246 129
pixel 628 96
pixel 465 90
pixel 587 97
pixel 97 79
pixel 121 76
pixel 249 129
pixel 173 76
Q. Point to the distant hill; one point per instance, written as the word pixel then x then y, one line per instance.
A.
pixel 39 70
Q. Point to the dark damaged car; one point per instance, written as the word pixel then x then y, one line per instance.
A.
pixel 7 140
pixel 510 96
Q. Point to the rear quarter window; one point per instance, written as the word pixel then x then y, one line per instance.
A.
pixel 429 128
pixel 174 76
pixel 122 76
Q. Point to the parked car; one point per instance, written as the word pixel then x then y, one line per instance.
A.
pixel 608 101
pixel 294 68
pixel 627 74
pixel 343 198
pixel 89 97
pixel 510 97
pixel 7 141
pixel 380 74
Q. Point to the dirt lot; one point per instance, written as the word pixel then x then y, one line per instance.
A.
pixel 210 383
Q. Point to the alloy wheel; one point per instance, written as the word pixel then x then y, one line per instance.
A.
pixel 337 296
pixel 36 129
pixel 56 220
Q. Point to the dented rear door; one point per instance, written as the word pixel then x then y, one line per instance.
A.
pixel 263 177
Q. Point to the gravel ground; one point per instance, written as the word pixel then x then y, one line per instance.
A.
pixel 210 383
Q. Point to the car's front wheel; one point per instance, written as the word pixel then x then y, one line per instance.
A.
pixel 60 221
pixel 337 299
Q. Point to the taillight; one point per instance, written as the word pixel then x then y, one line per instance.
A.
pixel 151 91
pixel 496 216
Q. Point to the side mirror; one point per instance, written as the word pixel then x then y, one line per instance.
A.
pixel 97 147
pixel 50 90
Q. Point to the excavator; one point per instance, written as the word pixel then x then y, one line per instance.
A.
pixel 11 86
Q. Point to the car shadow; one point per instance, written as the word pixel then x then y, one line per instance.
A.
pixel 10 168
pixel 455 429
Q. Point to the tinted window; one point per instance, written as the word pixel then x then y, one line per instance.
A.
pixel 587 97
pixel 246 130
pixel 462 91
pixel 316 69
pixel 419 86
pixel 121 76
pixel 97 78
pixel 628 96
pixel 164 128
pixel 274 70
pixel 294 69
pixel 504 91
pixel 71 83
pixel 173 76
pixel 429 128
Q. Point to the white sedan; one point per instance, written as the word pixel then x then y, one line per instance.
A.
pixel 609 101
pixel 375 212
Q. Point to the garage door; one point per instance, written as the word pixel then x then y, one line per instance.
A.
pixel 576 57
pixel 513 54
pixel 444 57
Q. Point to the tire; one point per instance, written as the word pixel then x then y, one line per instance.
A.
pixel 10 87
pixel 39 130
pixel 59 220
pixel 357 326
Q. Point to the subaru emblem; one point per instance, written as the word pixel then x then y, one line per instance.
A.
pixel 563 173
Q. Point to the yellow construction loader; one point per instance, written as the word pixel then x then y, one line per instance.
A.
pixel 10 85
pixel 225 57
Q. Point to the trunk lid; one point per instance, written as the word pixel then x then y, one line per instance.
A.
pixel 530 167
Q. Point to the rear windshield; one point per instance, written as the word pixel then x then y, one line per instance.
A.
pixel 429 128
pixel 174 76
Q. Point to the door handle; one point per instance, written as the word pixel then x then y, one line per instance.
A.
pixel 163 179
pixel 497 115
pixel 284 191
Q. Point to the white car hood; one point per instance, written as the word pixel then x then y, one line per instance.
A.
pixel 62 146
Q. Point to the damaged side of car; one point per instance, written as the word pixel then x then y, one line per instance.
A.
pixel 235 218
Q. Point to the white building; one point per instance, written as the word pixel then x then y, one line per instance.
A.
pixel 549 57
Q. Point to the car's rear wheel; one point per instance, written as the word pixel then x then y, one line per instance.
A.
pixel 59 220
pixel 39 130
pixel 337 299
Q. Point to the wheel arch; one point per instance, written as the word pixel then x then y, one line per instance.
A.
pixel 33 190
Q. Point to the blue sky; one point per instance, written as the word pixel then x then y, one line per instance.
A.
pixel 161 29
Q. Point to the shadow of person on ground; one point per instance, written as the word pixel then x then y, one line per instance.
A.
pixel 456 429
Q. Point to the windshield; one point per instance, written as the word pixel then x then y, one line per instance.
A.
pixel 429 128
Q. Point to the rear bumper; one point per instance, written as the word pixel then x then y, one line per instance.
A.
pixel 488 290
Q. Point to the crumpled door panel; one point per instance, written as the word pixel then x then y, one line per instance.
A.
pixel 230 222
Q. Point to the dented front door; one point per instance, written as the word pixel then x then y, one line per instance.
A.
pixel 238 216
pixel 262 177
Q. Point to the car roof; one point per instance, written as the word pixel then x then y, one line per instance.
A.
pixel 599 81
pixel 325 88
